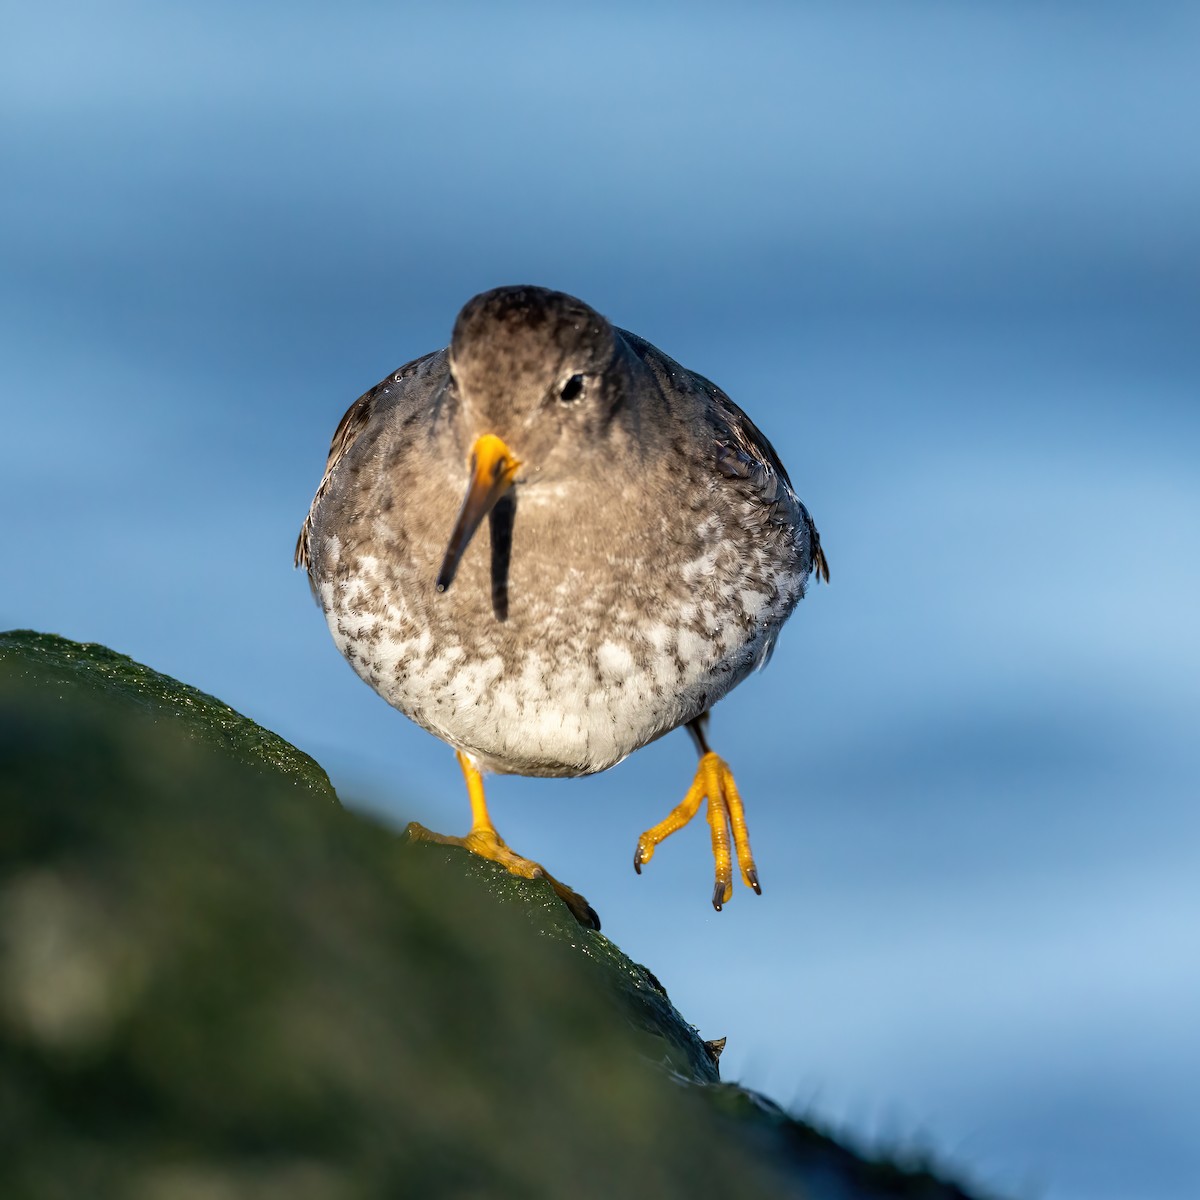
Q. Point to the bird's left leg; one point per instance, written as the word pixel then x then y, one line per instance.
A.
pixel 484 841
pixel 726 820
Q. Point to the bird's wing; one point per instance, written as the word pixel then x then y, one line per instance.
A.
pixel 356 419
pixel 744 453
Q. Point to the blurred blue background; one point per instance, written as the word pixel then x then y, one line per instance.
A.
pixel 947 256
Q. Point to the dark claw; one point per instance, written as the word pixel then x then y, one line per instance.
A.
pixel 718 896
pixel 637 859
pixel 752 875
pixel 579 908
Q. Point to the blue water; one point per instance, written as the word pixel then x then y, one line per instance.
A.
pixel 949 259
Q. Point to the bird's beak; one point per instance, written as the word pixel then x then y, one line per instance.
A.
pixel 493 468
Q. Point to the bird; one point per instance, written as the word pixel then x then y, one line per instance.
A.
pixel 643 547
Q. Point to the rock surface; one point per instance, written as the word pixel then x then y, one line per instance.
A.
pixel 216 982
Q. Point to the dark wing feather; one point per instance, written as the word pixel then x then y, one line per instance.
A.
pixel 356 419
pixel 820 565
pixel 743 452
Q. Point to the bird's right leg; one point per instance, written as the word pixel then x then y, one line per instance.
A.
pixel 484 841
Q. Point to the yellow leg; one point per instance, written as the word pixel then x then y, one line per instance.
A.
pixel 726 821
pixel 487 843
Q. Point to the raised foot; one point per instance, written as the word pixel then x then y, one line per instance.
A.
pixel 726 820
pixel 490 845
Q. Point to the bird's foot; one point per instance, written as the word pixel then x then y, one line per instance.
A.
pixel 726 820
pixel 487 843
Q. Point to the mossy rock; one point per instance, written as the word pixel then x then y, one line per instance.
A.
pixel 45 664
pixel 217 982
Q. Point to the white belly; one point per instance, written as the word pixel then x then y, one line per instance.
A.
pixel 572 708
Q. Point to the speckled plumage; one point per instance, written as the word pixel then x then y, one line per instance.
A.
pixel 656 545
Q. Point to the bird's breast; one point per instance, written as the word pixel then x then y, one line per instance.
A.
pixel 621 621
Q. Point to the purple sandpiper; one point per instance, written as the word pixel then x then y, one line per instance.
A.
pixel 644 547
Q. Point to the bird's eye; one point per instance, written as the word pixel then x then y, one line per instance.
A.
pixel 572 389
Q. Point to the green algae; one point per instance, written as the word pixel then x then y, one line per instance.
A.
pixel 44 662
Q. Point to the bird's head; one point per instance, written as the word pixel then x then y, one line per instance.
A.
pixel 535 376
